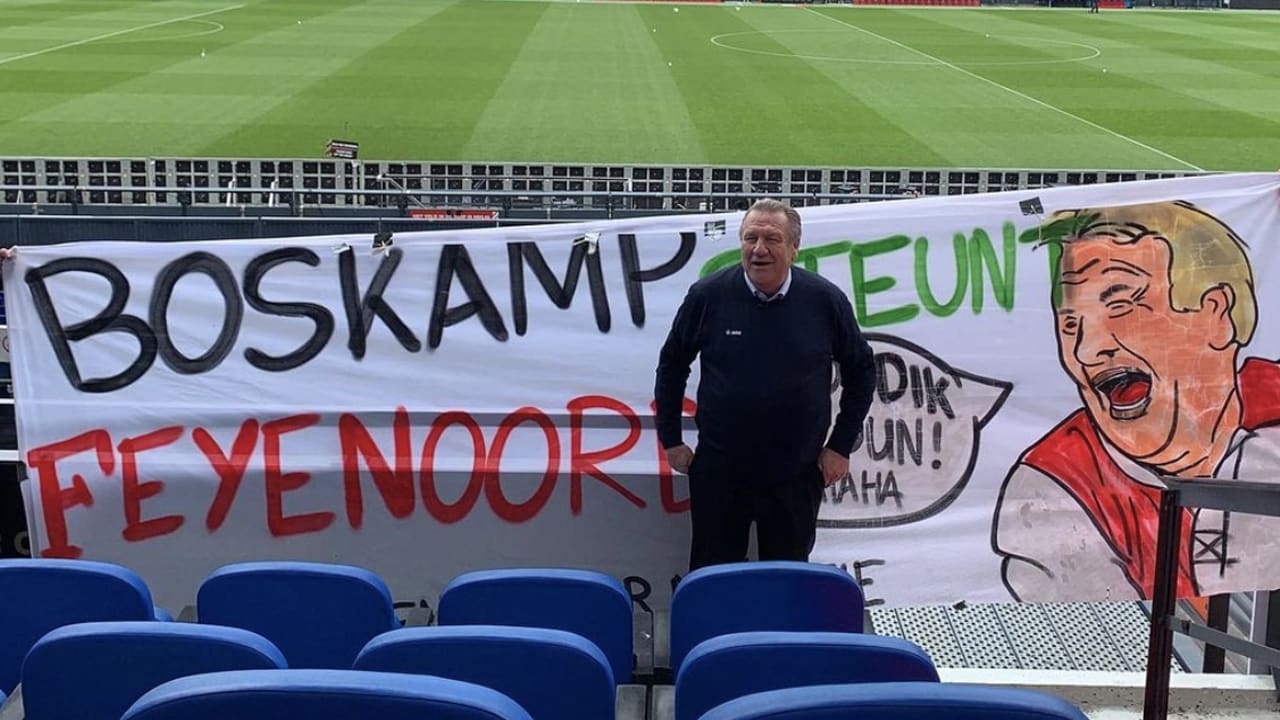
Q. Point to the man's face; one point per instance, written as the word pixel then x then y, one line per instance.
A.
pixel 1146 371
pixel 766 251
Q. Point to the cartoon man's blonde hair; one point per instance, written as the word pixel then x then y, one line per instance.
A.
pixel 1204 253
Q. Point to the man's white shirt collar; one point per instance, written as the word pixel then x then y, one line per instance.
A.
pixel 782 291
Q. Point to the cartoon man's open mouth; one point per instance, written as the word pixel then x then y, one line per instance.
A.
pixel 1127 390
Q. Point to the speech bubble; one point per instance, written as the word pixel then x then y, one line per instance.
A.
pixel 920 441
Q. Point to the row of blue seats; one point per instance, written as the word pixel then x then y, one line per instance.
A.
pixel 321 615
pixel 318 615
pixel 75 672
pixel 345 694
pixel 96 671
pixel 555 664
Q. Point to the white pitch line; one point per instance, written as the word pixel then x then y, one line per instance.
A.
pixel 104 36
pixel 1008 89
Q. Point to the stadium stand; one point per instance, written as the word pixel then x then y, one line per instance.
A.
pixel 76 672
pixel 319 615
pixel 49 200
pixel 933 3
pixel 542 671
pixel 1024 635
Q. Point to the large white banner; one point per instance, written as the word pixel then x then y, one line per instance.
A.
pixel 481 399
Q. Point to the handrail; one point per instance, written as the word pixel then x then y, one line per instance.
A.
pixel 1255 498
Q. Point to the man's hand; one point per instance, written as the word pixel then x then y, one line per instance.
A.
pixel 834 465
pixel 679 458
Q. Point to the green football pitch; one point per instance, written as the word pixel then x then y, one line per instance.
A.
pixel 615 82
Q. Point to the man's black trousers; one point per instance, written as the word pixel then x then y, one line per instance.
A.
pixel 725 499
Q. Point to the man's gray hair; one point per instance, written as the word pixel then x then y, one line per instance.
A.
pixel 769 206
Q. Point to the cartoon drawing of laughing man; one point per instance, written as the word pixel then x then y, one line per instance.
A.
pixel 1152 305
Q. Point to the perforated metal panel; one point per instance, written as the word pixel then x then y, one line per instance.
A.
pixel 930 628
pixel 884 622
pixel 1057 636
pixel 1088 640
pixel 1035 640
pixel 983 639
pixel 1131 627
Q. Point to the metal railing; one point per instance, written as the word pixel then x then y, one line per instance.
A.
pixel 1256 498
pixel 267 183
pixel 232 196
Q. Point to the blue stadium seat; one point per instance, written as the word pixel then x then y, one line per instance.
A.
pixel 42 595
pixel 590 604
pixel 733 666
pixel 898 701
pixel 95 671
pixel 552 674
pixel 322 695
pixel 319 615
pixel 777 595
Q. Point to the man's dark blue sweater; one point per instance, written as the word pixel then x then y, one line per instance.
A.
pixel 764 398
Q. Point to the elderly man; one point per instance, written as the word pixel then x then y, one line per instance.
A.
pixel 767 335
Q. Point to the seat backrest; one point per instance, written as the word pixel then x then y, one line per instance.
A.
pixel 37 596
pixel 732 666
pixel 552 674
pixel 320 615
pixel 588 603
pixel 95 671
pixel 778 595
pixel 322 695
pixel 898 701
